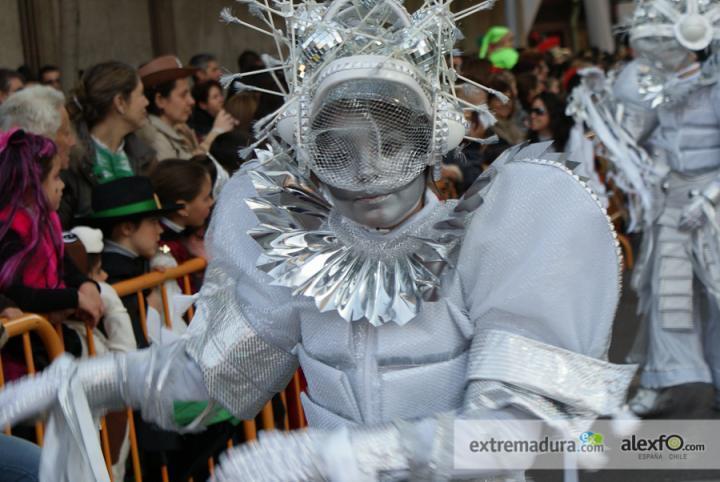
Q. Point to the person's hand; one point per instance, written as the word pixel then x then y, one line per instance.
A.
pixel 224 122
pixel 693 216
pixel 195 244
pixel 11 313
pixel 90 305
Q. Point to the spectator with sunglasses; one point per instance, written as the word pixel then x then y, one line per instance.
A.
pixel 548 122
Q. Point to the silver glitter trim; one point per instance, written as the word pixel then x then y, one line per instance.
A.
pixel 241 370
pixel 104 380
pixel 578 381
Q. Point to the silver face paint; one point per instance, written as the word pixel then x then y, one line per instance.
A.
pixel 380 211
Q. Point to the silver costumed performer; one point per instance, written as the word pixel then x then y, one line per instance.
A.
pixel 667 151
pixel 329 252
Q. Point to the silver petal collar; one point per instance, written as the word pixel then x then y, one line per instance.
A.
pixel 310 248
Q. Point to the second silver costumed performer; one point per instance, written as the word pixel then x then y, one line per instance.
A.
pixel 330 252
pixel 667 151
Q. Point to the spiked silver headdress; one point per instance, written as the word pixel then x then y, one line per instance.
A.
pixel 326 47
pixel 695 24
pixel 663 33
pixel 368 84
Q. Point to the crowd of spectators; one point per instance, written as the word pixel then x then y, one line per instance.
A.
pixel 118 176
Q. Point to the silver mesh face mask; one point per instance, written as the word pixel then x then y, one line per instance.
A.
pixel 369 136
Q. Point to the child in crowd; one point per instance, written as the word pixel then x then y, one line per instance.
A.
pixel 128 212
pixel 114 333
pixel 34 271
pixel 189 185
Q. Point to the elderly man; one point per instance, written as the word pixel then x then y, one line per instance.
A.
pixel 41 110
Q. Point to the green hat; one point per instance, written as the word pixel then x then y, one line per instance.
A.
pixel 124 199
pixel 493 36
pixel 504 58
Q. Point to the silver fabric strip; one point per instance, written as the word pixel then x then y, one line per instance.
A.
pixel 488 394
pixel 104 380
pixel 241 370
pixel 581 382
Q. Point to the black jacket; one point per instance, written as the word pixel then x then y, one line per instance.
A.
pixel 42 300
pixel 120 268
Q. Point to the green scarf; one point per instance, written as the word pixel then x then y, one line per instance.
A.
pixel 110 165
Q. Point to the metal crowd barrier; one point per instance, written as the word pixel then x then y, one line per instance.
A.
pixel 52 339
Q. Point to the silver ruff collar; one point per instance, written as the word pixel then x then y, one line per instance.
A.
pixel 343 266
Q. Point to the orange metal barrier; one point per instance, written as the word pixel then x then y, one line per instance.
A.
pixel 23 326
pixel 294 416
pixel 51 337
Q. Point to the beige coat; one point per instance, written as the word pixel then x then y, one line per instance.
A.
pixel 169 142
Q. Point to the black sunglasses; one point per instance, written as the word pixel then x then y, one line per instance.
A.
pixel 538 111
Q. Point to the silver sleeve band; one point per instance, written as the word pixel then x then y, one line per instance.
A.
pixel 104 380
pixel 241 370
pixel 583 383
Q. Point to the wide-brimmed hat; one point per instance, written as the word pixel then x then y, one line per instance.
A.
pixel 127 198
pixel 163 69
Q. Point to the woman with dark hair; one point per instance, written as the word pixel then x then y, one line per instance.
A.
pixel 243 106
pixel 106 108
pixel 170 103
pixel 209 103
pixel 548 121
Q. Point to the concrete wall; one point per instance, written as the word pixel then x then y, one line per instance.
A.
pixel 110 30
pixel 11 52
pixel 198 29
pixel 79 33
pixel 475 26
